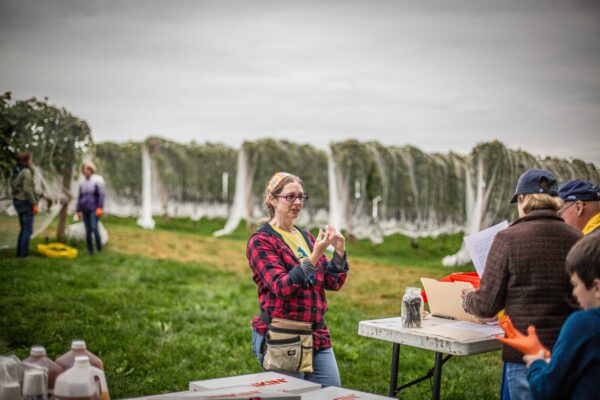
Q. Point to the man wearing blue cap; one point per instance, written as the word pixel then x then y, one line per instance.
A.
pixel 582 205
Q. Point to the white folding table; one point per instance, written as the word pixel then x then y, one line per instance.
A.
pixel 390 330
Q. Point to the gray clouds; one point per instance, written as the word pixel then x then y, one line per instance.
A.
pixel 440 75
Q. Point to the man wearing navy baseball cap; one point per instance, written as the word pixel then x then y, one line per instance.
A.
pixel 582 205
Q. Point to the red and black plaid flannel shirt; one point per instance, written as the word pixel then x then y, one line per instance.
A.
pixel 283 291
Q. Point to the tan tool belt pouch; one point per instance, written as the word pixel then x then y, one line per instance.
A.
pixel 289 346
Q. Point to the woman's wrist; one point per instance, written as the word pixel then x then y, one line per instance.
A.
pixel 314 257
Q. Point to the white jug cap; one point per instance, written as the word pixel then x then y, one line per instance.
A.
pixel 37 350
pixel 82 361
pixel 78 344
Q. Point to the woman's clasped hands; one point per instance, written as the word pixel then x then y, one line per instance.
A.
pixel 329 237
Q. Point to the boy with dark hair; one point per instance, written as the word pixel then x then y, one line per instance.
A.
pixel 573 371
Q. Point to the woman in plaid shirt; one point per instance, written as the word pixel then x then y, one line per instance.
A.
pixel 292 274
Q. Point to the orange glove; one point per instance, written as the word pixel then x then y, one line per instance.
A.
pixel 529 345
pixel 78 213
pixel 99 212
pixel 35 208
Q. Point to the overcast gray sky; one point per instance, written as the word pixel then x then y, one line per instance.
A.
pixel 441 75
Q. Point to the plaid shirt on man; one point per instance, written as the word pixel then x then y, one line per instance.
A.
pixel 283 291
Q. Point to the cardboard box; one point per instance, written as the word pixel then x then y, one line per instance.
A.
pixel 166 396
pixel 267 385
pixel 266 380
pixel 336 393
pixel 245 392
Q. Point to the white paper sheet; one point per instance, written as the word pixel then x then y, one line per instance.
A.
pixel 484 329
pixel 479 245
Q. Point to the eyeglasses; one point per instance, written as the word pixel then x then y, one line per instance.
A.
pixel 564 208
pixel 292 197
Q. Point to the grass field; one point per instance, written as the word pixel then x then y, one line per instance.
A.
pixel 164 307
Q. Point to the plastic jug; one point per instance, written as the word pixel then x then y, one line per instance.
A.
pixel 35 385
pixel 81 382
pixel 10 391
pixel 78 348
pixel 99 377
pixel 11 376
pixel 38 357
pixel 10 369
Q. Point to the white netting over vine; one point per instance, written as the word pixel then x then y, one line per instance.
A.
pixel 367 189
pixel 160 177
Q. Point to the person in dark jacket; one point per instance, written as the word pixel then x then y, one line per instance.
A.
pixel 525 274
pixel 573 370
pixel 90 204
pixel 25 200
pixel 292 273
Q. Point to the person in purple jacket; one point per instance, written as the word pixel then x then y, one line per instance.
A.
pixel 90 204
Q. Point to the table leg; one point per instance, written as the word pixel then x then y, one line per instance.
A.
pixel 437 376
pixel 394 371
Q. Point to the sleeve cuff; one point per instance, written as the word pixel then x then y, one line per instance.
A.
pixel 534 367
pixel 297 275
pixel 339 263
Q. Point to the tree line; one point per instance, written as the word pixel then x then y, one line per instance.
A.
pixel 56 138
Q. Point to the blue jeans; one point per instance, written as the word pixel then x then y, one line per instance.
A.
pixel 325 369
pixel 25 212
pixel 514 382
pixel 91 227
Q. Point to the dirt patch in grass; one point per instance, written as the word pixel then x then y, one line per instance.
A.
pixel 371 284
pixel 222 254
pixel 379 286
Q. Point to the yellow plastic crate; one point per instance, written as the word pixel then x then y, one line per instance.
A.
pixel 57 250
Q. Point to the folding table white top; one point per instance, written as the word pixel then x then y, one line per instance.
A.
pixel 437 334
